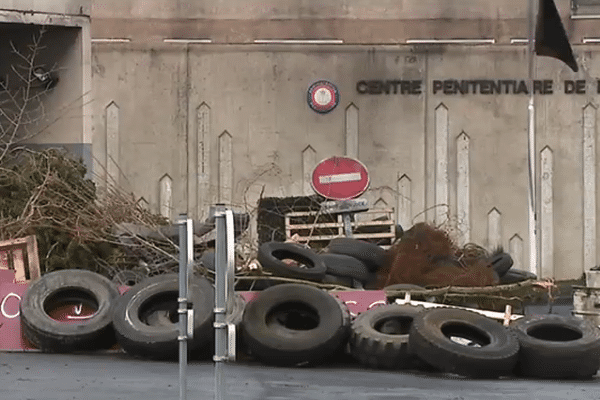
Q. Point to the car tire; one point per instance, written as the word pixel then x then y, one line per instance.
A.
pixel 501 262
pixel 272 254
pixel 557 347
pixel 379 337
pixel 464 343
pixel 60 289
pixel 293 324
pixel 207 260
pixel 515 276
pixel 338 280
pixel 370 254
pixel 145 317
pixel 347 266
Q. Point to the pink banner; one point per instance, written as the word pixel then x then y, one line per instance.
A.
pixel 11 294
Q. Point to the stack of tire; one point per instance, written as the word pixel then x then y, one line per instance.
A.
pixel 346 262
pixel 297 324
pixel 143 321
pixel 469 344
pixel 502 264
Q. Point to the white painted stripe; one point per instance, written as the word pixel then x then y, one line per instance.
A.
pixel 547 213
pixel 187 41
pixel 591 40
pixel 519 41
pixel 404 217
pixel 339 178
pixel 494 229
pixel 585 16
pixel 589 187
pixel 298 41
pixel 111 40
pixel 515 249
pixel 463 201
pixel 112 143
pixel 441 164
pixel 450 41
pixel 166 196
pixel 352 131
pixel 309 160
pixel 225 168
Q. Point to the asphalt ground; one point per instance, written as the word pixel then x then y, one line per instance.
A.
pixel 29 376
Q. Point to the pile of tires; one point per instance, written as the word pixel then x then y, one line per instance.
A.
pixel 502 263
pixel 468 344
pixel 347 262
pixel 298 324
pixel 143 321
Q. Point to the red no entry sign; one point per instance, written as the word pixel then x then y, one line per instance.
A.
pixel 340 178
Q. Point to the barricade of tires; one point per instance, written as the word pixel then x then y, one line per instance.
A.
pixel 298 324
pixel 346 262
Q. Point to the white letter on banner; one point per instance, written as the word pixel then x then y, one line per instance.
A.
pixel 4 303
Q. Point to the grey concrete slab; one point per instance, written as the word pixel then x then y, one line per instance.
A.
pixel 36 376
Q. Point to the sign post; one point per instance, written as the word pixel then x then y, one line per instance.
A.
pixel 341 179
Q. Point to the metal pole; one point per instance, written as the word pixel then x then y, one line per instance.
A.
pixel 221 261
pixel 182 310
pixel 531 147
pixel 229 283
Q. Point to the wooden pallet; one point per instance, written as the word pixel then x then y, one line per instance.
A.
pixel 313 226
pixel 21 256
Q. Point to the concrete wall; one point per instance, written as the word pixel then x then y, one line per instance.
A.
pixel 231 123
pixel 186 125
pixel 69 7
pixel 282 9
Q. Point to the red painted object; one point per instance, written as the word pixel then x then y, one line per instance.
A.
pixel 340 178
pixel 11 293
pixel 10 323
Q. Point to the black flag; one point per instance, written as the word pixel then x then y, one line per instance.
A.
pixel 550 36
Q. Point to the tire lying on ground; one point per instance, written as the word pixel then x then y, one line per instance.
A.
pixel 516 275
pixel 338 280
pixel 290 324
pixel 379 337
pixel 554 346
pixel 464 343
pixel 370 254
pixel 501 262
pixel 57 296
pixel 146 321
pixel 347 266
pixel 271 256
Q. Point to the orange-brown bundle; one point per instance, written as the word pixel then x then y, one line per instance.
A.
pixel 427 256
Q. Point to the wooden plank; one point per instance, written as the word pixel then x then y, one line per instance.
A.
pixel 355 236
pixel 32 258
pixel 389 211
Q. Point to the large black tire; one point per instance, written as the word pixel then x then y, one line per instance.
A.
pixel 558 347
pixel 501 262
pixel 338 280
pixel 372 255
pixel 145 317
pixel 272 254
pixel 208 260
pixel 343 265
pixel 464 343
pixel 516 275
pixel 57 290
pixel 379 337
pixel 291 324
